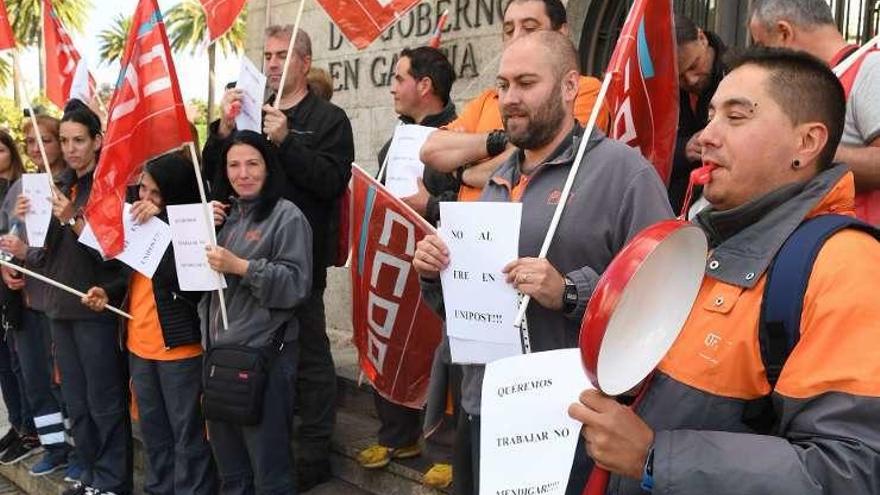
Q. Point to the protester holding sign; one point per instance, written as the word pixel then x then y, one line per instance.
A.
pixel 421 85
pixel 164 345
pixel 726 412
pixel 808 25
pixel 616 193
pixel 315 146
pixel 86 343
pixel 34 344
pixel 476 140
pixel 20 441
pixel 264 249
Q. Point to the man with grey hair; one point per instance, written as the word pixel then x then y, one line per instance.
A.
pixel 315 146
pixel 808 25
pixel 616 193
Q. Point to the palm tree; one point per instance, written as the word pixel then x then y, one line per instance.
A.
pixel 188 28
pixel 25 16
pixel 112 40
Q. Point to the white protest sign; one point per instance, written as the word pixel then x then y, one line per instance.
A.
pixel 36 188
pixel 404 166
pixel 527 439
pixel 144 245
pixel 482 238
pixel 190 236
pixel 252 83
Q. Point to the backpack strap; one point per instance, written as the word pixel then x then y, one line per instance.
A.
pixel 787 279
pixel 779 326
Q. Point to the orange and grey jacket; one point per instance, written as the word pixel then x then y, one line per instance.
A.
pixel 828 395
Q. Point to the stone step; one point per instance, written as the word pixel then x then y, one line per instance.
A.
pixel 356 428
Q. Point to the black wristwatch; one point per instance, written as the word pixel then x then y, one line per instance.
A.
pixel 569 296
pixel 496 142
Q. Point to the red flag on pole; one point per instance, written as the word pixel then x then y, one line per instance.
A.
pixel 362 21
pixel 7 38
pixel 644 90
pixel 61 57
pixel 221 15
pixel 146 119
pixel 434 42
pixel 395 332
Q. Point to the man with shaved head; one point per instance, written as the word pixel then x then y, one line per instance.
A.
pixel 616 194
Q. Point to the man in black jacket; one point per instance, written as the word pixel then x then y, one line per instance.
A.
pixel 316 149
pixel 700 69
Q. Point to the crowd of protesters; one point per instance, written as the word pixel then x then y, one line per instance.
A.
pixel 787 140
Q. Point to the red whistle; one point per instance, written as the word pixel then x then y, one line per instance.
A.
pixel 703 175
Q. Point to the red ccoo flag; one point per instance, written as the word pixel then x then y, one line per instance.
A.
pixel 146 119
pixel 644 88
pixel 61 57
pixel 221 15
pixel 7 38
pixel 395 331
pixel 362 21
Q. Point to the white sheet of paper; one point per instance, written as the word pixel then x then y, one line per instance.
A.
pixel 36 188
pixel 404 167
pixel 527 439
pixel 144 246
pixel 252 82
pixel 473 351
pixel 80 88
pixel 482 238
pixel 190 235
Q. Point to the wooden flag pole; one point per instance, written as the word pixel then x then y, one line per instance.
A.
pixel 210 223
pixel 33 118
pixel 299 14
pixel 554 223
pixel 59 285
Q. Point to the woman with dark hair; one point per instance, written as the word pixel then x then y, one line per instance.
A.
pixel 265 251
pixel 20 441
pixel 164 345
pixel 33 344
pixel 86 343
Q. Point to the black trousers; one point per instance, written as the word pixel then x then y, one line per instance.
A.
pixel 93 384
pixel 315 382
pixel 168 395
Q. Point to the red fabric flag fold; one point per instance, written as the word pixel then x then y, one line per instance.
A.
pixel 146 119
pixel 7 37
pixel 395 332
pixel 644 88
pixel 221 15
pixel 61 57
pixel 362 21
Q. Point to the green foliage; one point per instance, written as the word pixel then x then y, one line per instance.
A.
pixel 188 29
pixel 111 41
pixel 26 17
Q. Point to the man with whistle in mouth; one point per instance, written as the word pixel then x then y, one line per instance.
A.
pixel 615 194
pixel 711 420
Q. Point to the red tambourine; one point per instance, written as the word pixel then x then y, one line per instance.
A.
pixel 640 304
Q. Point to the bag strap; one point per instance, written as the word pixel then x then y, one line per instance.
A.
pixel 787 279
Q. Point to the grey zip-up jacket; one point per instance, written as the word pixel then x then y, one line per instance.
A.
pixel 615 195
pixel 278 278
